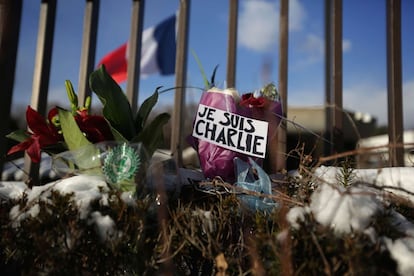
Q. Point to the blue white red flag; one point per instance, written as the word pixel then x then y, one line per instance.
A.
pixel 157 52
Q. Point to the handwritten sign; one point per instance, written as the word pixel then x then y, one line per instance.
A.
pixel 231 131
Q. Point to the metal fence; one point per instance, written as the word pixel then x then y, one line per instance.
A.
pixel 10 18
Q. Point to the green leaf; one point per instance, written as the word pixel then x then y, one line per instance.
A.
pixel 200 67
pixel 73 136
pixel 73 98
pixel 117 136
pixel 116 108
pixel 207 84
pixel 18 135
pixel 151 136
pixel 77 142
pixel 145 110
pixel 213 77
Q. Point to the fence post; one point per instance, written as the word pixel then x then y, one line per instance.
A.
pixel 232 44
pixel 278 145
pixel 10 16
pixel 134 53
pixel 87 62
pixel 333 71
pixel 180 82
pixel 42 71
pixel 394 79
pixel 337 75
pixel 328 145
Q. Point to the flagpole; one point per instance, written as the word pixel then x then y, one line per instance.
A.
pixel 134 53
pixel 180 82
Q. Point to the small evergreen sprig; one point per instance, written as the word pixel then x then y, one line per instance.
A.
pixel 346 177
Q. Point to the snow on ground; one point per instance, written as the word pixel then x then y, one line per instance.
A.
pixel 84 188
pixel 347 209
pixel 344 209
pixel 397 180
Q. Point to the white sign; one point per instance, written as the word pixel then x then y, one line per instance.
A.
pixel 231 131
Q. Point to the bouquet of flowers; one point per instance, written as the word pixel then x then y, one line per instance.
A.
pixel 82 142
pixel 228 126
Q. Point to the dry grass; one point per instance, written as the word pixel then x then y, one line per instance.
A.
pixel 194 233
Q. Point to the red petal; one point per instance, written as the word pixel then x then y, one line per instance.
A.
pixel 249 100
pixel 95 127
pixel 83 113
pixel 36 122
pixel 20 147
pixel 34 150
pixel 247 96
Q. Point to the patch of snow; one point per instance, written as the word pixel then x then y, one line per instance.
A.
pixel 12 189
pixel 34 211
pixel 345 210
pixel 84 188
pixel 402 251
pixel 104 201
pixel 105 225
pixel 371 233
pixel 128 198
pixel 296 215
pixel 398 180
pixel 351 208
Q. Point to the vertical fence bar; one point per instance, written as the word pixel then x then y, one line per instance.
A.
pixel 232 43
pixel 134 53
pixel 87 62
pixel 328 146
pixel 10 17
pixel 394 80
pixel 333 77
pixel 337 75
pixel 180 82
pixel 278 147
pixel 277 155
pixel 42 70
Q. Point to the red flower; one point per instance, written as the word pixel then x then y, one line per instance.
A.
pixel 248 100
pixel 42 134
pixel 95 127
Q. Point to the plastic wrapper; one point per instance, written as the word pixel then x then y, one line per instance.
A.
pixel 251 177
pixel 122 165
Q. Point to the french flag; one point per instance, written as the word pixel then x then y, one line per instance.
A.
pixel 157 52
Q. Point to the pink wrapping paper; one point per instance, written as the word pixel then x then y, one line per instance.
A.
pixel 215 160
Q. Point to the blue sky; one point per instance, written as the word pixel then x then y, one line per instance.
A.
pixel 364 58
